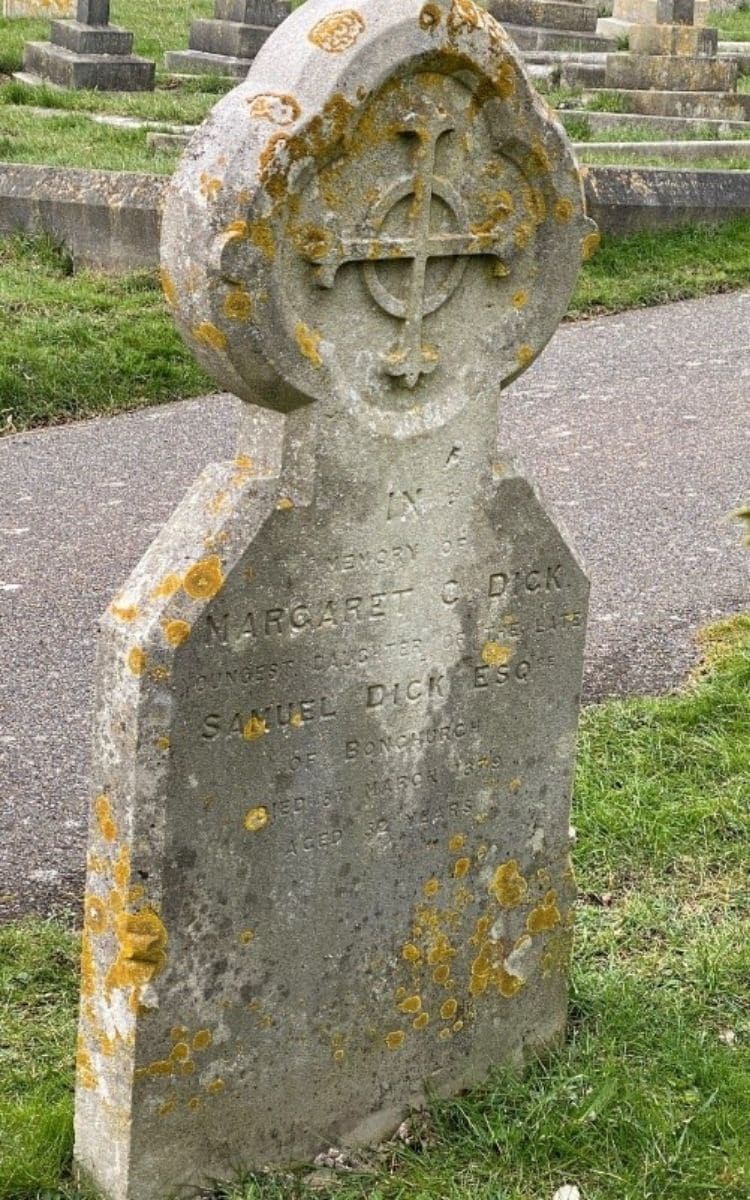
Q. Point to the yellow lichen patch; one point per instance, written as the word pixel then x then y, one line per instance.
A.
pixel 430 17
pixel 247 936
pixel 495 654
pixel 210 186
pixel 180 1052
pixel 121 869
pixel 449 1010
pixel 254 728
pixel 444 1035
pixel 137 661
pixel 296 721
pixel 185 1069
pixel 563 210
pixel 508 885
pixel 313 241
pixel 461 868
pixel 168 586
pixel 215 1087
pixel 309 341
pixel 431 888
pixel 159 674
pixel 515 786
pixel 456 843
pixel 136 894
pixel 523 234
pixel 260 234
pixel 202 1039
pixel 95 914
pixel 176 632
pixel 86 1075
pixel 412 1004
pixel 505 81
pixel 178 1032
pixel 168 287
pixel 338 32
pixel 508 985
pixel 257 819
pixel 421 1022
pixel 500 208
pixel 104 818
pixel 520 299
pixel 207 334
pixel 141 954
pixel 285 504
pixel 163 743
pixel 411 953
pixel 440 951
pixel 276 108
pixel 204 579
pixel 539 159
pixel 124 612
pixel 395 1040
pixel 525 356
pixel 195 1103
pixel 545 916
pixel 589 245
pixel 167 1107
pixel 238 305
pixel 441 974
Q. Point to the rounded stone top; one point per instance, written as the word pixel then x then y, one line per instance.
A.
pixel 384 216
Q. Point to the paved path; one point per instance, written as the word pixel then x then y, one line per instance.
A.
pixel 637 428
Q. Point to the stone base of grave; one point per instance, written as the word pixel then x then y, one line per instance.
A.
pixel 100 72
pixel 531 38
pixel 627 13
pixel 711 106
pixel 669 74
pixel 38 8
pixel 657 127
pixel 227 43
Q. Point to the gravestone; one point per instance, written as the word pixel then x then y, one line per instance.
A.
pixel 337 700
pixel 89 53
pixel 227 43
pixel 39 8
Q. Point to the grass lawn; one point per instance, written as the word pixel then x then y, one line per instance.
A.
pixel 650 1097
pixel 621 158
pixel 75 140
pixel 733 26
pixel 84 344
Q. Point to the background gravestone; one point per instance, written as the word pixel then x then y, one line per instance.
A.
pixel 89 53
pixel 338 698
pixel 39 8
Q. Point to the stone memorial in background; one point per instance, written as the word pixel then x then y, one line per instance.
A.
pixel 89 53
pixel 337 700
pixel 227 43
pixel 39 8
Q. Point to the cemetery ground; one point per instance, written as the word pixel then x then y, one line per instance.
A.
pixel 649 1096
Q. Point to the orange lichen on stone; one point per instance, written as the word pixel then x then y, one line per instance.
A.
pixel 456 843
pixel 431 888
pixel 395 1040
pixel 449 1009
pixel 254 728
pixel 430 17
pixel 508 885
pixel 210 186
pixel 95 914
pixel 176 633
pixel 208 335
pixel 411 953
pixel 545 916
pixel 236 231
pixel 180 1052
pixel 422 1021
pixel 525 355
pixel 338 32
pixel 412 1004
pixel 515 785
pixel 461 868
pixel 440 951
pixel 563 210
pixel 168 287
pixel 205 579
pixel 257 819
pixel 276 108
pixel 168 586
pixel 523 234
pixel 589 245
pixel 202 1039
pixel 261 235
pixel 495 654
pixel 124 612
pixel 247 936
pixel 499 207
pixel 488 970
pixel 442 974
pixel 215 1087
pixel 137 661
pixel 104 818
pixel 309 341
pixel 85 1073
pixel 121 869
pixel 285 504
pixel 159 674
pixel 520 299
pixel 163 743
pixel 238 305
pixel 141 954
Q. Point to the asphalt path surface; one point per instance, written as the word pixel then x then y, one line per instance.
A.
pixel 636 427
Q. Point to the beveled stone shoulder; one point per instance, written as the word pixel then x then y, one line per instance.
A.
pixel 384 177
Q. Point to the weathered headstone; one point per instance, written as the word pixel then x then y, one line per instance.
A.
pixel 338 698
pixel 39 8
pixel 227 43
pixel 89 53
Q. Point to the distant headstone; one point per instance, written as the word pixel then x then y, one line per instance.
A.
pixel 227 43
pixel 39 8
pixel 89 53
pixel 338 698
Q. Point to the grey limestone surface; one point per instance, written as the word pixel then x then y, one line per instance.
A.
pixel 337 700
